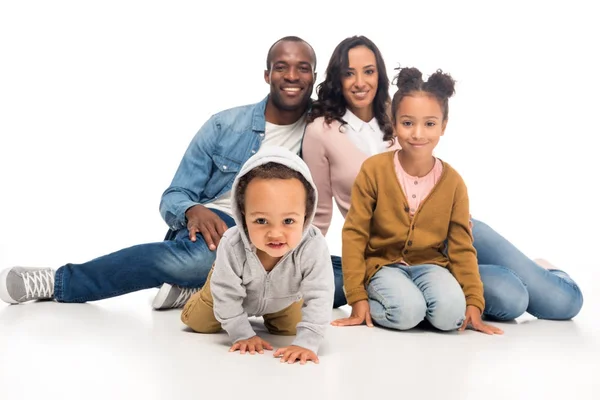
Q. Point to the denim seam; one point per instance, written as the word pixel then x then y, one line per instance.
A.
pixel 58 284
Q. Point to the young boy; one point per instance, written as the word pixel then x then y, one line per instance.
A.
pixel 273 263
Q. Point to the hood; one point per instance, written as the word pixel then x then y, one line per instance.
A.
pixel 265 155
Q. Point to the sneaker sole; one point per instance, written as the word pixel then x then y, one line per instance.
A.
pixel 4 289
pixel 161 296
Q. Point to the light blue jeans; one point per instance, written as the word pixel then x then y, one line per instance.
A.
pixel 506 297
pixel 546 294
pixel 400 297
pixel 513 283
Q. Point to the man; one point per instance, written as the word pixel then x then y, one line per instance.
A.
pixel 196 205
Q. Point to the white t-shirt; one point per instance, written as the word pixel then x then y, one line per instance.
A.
pixel 288 136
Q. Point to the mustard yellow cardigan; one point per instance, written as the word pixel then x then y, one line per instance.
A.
pixel 378 230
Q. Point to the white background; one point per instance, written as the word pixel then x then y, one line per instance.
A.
pixel 99 100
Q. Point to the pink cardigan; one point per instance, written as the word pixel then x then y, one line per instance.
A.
pixel 334 162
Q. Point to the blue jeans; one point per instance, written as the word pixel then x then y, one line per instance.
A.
pixel 513 283
pixel 505 295
pixel 546 294
pixel 400 297
pixel 179 261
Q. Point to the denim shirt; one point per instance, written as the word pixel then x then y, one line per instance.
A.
pixel 213 159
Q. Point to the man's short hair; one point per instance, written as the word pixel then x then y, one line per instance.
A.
pixel 290 39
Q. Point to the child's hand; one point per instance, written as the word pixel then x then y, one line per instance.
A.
pixel 252 345
pixel 473 318
pixel 360 313
pixel 290 354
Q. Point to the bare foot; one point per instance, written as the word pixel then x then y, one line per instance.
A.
pixel 544 263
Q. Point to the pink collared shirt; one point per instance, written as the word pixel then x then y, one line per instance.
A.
pixel 415 188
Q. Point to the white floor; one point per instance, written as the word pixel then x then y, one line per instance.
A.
pixel 121 349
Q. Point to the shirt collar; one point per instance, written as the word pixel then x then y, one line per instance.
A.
pixel 357 124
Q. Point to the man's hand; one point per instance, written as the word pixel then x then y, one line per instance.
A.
pixel 290 354
pixel 361 312
pixel 252 345
pixel 201 219
pixel 473 318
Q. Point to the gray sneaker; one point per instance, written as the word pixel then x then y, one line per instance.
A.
pixel 172 296
pixel 21 284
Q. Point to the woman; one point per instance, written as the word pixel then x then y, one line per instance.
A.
pixel 350 122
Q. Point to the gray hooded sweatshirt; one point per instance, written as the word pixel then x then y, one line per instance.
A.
pixel 241 287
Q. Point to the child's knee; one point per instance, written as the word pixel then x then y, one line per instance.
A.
pixel 199 316
pixel 404 316
pixel 448 314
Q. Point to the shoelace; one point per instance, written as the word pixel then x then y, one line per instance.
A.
pixel 184 296
pixel 39 284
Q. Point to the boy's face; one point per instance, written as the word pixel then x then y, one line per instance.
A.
pixel 274 214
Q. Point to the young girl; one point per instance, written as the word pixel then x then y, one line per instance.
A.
pixel 273 263
pixel 406 243
pixel 349 123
